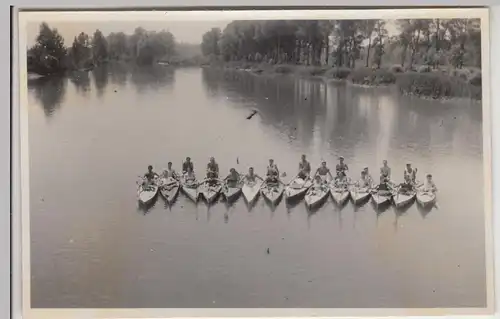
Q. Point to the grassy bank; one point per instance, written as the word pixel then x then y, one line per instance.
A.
pixel 441 83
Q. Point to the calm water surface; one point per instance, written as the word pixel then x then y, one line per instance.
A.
pixel 91 136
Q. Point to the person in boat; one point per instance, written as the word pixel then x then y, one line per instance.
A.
pixel 304 168
pixel 429 185
pixel 323 171
pixel 233 178
pixel 212 172
pixel 384 188
pixel 406 186
pixel 341 166
pixel 385 171
pixel 169 172
pixel 411 173
pixel 187 165
pixel 149 177
pixel 319 183
pixel 340 181
pixel 368 177
pixel 272 175
pixel 364 181
pixel 189 176
pixel 251 176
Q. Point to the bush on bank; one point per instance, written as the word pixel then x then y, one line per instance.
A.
pixel 367 76
pixel 423 81
pixel 437 85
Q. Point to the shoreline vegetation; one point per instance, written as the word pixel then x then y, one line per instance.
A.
pixel 428 58
pixel 422 82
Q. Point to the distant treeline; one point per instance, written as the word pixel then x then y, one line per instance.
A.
pixel 348 43
pixel 436 58
pixel 50 54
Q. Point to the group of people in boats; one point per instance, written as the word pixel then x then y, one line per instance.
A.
pixel 320 177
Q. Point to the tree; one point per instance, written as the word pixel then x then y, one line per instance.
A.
pixel 367 28
pixel 80 51
pixel 48 54
pixel 210 42
pixel 379 41
pixel 117 45
pixel 99 47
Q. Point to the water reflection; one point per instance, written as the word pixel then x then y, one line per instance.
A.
pixel 151 78
pixel 339 119
pixel 119 73
pixel 100 76
pixel 295 116
pixel 49 91
pixel 81 81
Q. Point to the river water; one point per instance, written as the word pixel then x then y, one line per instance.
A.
pixel 91 135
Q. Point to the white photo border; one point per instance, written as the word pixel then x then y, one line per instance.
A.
pixel 21 177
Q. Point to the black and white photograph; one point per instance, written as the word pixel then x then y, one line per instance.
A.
pixel 333 159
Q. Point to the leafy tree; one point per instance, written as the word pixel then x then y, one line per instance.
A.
pixel 210 42
pixel 99 47
pixel 80 51
pixel 48 54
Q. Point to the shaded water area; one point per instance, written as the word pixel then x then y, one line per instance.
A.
pixel 92 134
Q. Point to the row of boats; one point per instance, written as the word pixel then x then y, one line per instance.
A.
pixel 313 194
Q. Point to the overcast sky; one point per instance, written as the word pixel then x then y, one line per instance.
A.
pixel 184 31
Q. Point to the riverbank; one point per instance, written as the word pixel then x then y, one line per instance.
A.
pixel 441 83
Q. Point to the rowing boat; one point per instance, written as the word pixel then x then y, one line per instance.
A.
pixel 297 187
pixel 190 188
pixel 169 189
pixel 316 195
pixel 403 199
pixel 359 194
pixel 251 191
pixel 210 192
pixel 339 194
pixel 146 194
pixel 272 192
pixel 381 197
pixel 425 199
pixel 231 192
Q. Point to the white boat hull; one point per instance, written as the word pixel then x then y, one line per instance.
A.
pixel 251 191
pixel 426 199
pixel 147 196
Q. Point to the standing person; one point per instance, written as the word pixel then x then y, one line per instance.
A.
pixel 304 168
pixel 385 171
pixel 187 165
pixel 411 173
pixel 273 172
pixel 323 171
pixel 341 166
